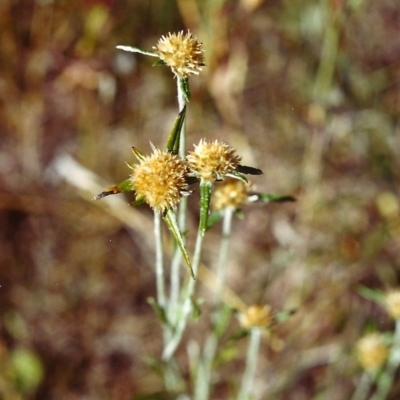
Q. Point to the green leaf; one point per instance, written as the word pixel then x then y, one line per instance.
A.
pixel 196 309
pixel 184 84
pixel 237 175
pixel 160 312
pixel 159 63
pixel 28 368
pixel 205 196
pixel 170 220
pixel 248 170
pixel 377 296
pixel 240 334
pixel 125 186
pixel 214 217
pixel 173 138
pixel 137 50
pixel 138 154
pixel 138 202
pixel 282 316
pixel 271 198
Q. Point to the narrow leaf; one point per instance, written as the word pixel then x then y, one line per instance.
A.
pixel 282 316
pixel 371 294
pixel 160 312
pixel 125 186
pixel 196 308
pixel 137 50
pixel 159 63
pixel 174 135
pixel 214 217
pixel 237 175
pixel 170 220
pixel 270 198
pixel 248 170
pixel 138 154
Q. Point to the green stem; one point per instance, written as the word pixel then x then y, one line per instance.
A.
pixel 251 363
pixel 205 195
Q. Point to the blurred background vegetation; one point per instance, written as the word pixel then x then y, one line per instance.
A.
pixel 306 90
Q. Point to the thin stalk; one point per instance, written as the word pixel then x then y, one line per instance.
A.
pixel 182 315
pixel 182 214
pixel 363 387
pixel 204 372
pixel 224 250
pixel 203 376
pixel 184 312
pixel 386 379
pixel 160 279
pixel 251 364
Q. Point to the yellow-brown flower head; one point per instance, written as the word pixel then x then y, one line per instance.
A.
pixel 159 179
pixel 211 161
pixel 230 193
pixel 182 53
pixel 392 304
pixel 372 351
pixel 257 316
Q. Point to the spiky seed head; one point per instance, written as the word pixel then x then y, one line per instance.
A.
pixel 392 303
pixel 160 179
pixel 230 193
pixel 212 160
pixel 372 351
pixel 257 316
pixel 181 52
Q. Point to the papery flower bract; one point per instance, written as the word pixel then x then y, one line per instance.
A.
pixel 257 316
pixel 230 193
pixel 211 161
pixel 160 180
pixel 392 304
pixel 181 52
pixel 372 351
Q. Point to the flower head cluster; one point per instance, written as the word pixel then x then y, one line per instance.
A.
pixel 212 160
pixel 182 53
pixel 231 193
pixel 392 304
pixel 160 180
pixel 257 316
pixel 372 351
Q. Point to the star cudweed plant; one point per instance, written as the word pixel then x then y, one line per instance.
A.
pixel 163 180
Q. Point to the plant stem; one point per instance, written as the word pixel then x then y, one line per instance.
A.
pixel 251 363
pixel 160 279
pixel 363 387
pixel 182 213
pixel 205 364
pixel 224 250
pixel 184 312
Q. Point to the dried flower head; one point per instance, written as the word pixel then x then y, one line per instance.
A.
pixel 372 351
pixel 159 179
pixel 257 316
pixel 182 53
pixel 392 303
pixel 230 193
pixel 211 161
